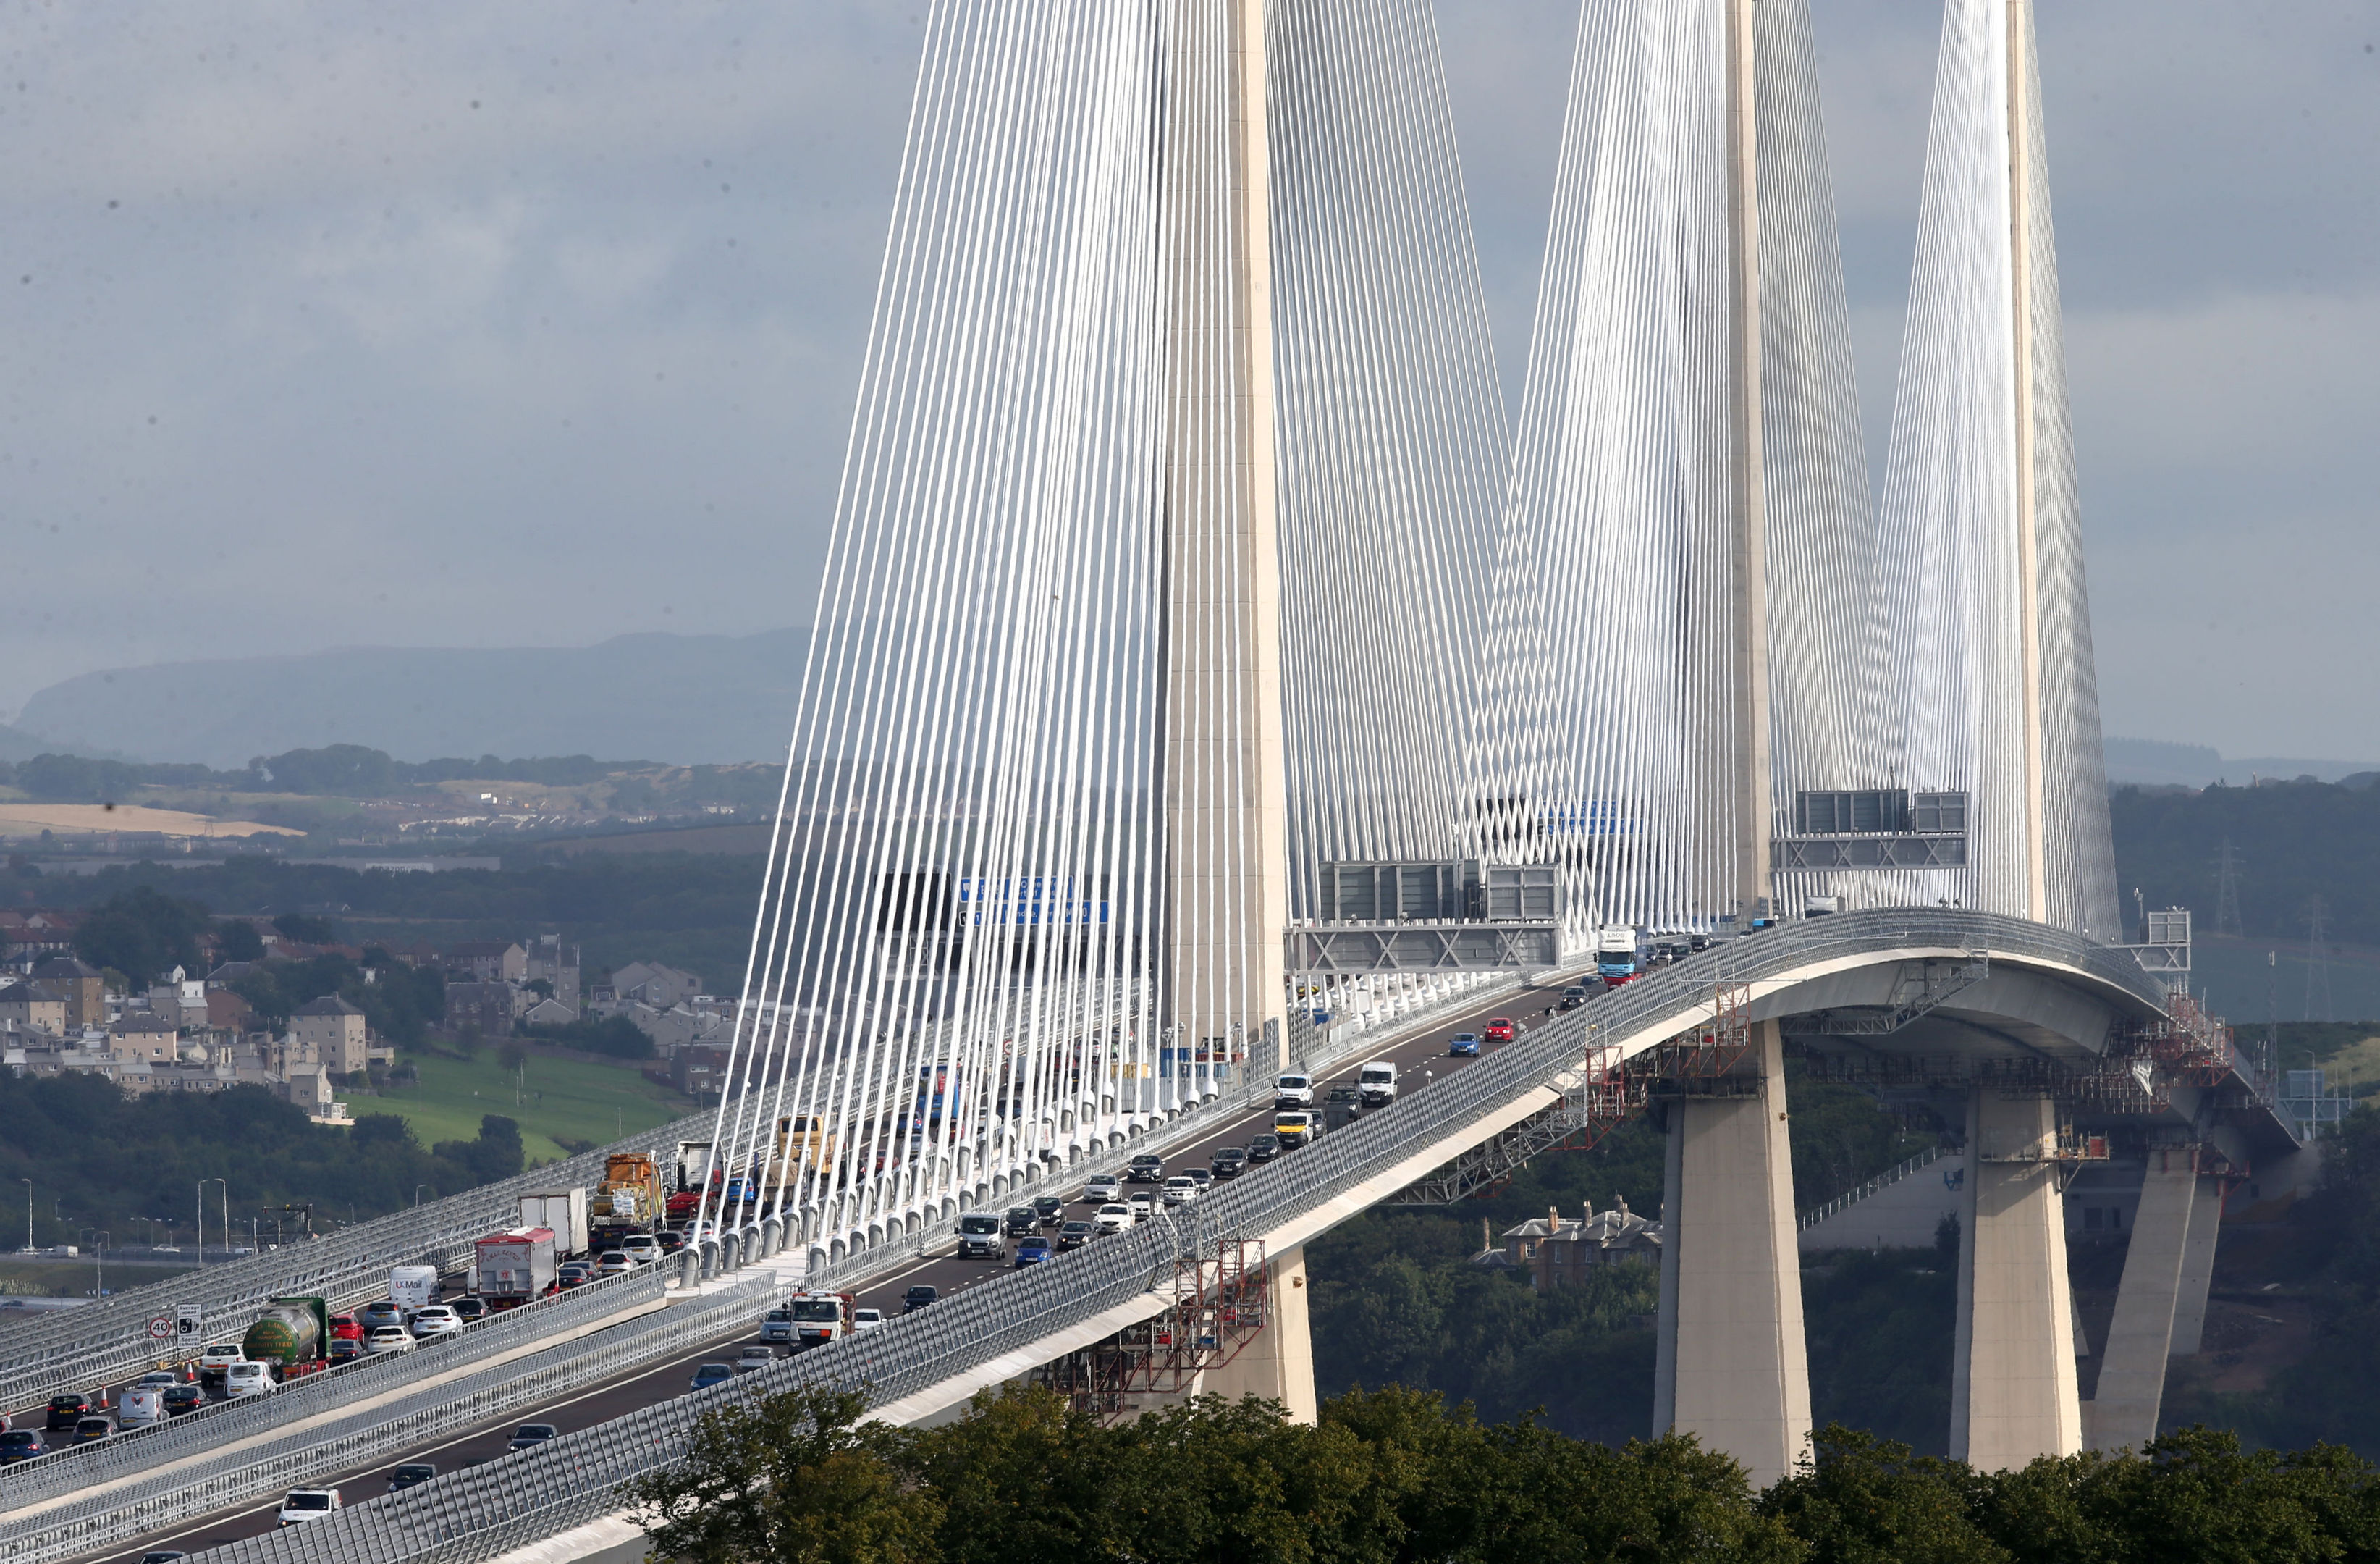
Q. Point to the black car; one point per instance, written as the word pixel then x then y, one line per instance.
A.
pixel 68 1409
pixel 163 1555
pixel 181 1399
pixel 670 1239
pixel 1344 1106
pixel 1573 997
pixel 1264 1147
pixel 1050 1210
pixel 1146 1171
pixel 1074 1235
pixel 1020 1220
pixel 471 1310
pixel 917 1298
pixel 1228 1162
pixel 411 1473
pixel 530 1436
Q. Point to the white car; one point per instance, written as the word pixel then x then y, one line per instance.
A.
pixel 1142 1206
pixel 867 1319
pixel 249 1377
pixel 1103 1189
pixel 643 1248
pixel 219 1357
pixel 758 1356
pixel 1180 1187
pixel 388 1339
pixel 1112 1218
pixel 301 1505
pixel 434 1319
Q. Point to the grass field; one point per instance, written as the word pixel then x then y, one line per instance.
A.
pixel 559 1100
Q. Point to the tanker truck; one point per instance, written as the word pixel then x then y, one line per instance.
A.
pixel 291 1335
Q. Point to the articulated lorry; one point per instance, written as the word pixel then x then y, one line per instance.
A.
pixel 291 1335
pixel 563 1211
pixel 516 1268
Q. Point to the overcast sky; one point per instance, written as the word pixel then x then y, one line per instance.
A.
pixel 459 324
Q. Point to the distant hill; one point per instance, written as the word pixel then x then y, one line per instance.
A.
pixel 685 698
pixel 2152 763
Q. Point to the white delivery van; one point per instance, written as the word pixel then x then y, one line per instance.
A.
pixel 140 1406
pixel 412 1287
pixel 1376 1084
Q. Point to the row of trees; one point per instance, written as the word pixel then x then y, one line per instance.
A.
pixel 1392 1475
pixel 100 1158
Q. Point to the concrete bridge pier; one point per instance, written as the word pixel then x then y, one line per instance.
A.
pixel 2014 1394
pixel 1733 1367
pixel 1278 1362
pixel 2198 1265
pixel 2148 1306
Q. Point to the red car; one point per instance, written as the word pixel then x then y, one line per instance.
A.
pixel 1500 1029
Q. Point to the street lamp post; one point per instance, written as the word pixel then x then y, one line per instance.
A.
pixel 202 1217
pixel 28 1213
pixel 416 1194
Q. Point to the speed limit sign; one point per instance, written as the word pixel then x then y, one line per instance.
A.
pixel 161 1329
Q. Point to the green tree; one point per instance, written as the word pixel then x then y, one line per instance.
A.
pixel 143 932
pixel 793 1478
pixel 1863 1500
pixel 306 929
pixel 238 941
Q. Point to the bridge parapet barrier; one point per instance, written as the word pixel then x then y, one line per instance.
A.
pixel 364 1437
pixel 477 1514
pixel 106 1339
pixel 81 1466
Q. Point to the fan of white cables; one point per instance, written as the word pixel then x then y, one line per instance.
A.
pixel 1610 735
pixel 1949 639
pixel 1027 891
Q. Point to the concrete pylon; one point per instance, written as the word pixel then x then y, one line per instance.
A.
pixel 2198 1266
pixel 2014 1394
pixel 1733 1367
pixel 2123 1415
pixel 1226 800
pixel 1278 1362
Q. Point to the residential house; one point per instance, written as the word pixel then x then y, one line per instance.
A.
pixel 489 960
pixel 558 964
pixel 227 1011
pixel 491 1007
pixel 699 1070
pixel 182 1000
pixel 653 984
pixel 77 982
pixel 1559 1253
pixel 548 1012
pixel 334 1031
pixel 674 1028
pixel 20 1004
pixel 146 1038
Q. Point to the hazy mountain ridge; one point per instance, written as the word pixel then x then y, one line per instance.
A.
pixel 683 699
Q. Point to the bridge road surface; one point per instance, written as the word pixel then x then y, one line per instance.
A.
pixel 1423 1051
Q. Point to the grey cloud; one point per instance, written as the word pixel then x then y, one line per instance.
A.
pixel 579 360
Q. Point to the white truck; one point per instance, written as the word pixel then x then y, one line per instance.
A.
pixel 563 1211
pixel 1376 1084
pixel 821 1317
pixel 412 1288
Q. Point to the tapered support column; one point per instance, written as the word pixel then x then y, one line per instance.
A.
pixel 2131 1372
pixel 1278 1363
pixel 1225 793
pixel 1733 1367
pixel 2014 1394
pixel 2197 1268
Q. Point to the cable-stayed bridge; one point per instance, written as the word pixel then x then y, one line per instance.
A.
pixel 1185 574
